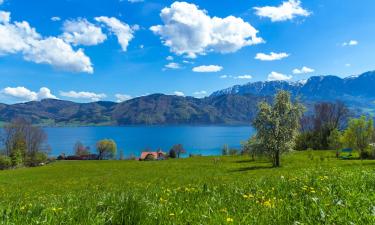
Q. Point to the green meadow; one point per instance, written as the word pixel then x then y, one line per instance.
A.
pixel 311 187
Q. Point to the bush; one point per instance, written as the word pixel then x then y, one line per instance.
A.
pixel 37 159
pixel 5 162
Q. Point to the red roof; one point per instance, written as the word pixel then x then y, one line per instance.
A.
pixel 156 155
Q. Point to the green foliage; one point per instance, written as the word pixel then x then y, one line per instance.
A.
pixel 359 135
pixel 277 126
pixel 306 190
pixel 106 148
pixel 37 159
pixel 172 154
pixel 18 152
pixel 225 150
pixel 334 140
pixel 5 162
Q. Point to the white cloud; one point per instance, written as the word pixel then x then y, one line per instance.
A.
pixel 207 69
pixel 179 93
pixel 274 76
pixel 122 97
pixel 1 2
pixel 4 17
pixel 24 94
pixel 20 37
pixel 240 77
pixel 122 30
pixel 190 31
pixel 271 57
pixel 82 32
pixel 172 65
pixel 200 93
pixel 169 58
pixel 288 10
pixel 348 65
pixel 83 95
pixel 350 43
pixel 56 52
pixel 247 77
pixel 55 18
pixel 135 1
pixel 303 70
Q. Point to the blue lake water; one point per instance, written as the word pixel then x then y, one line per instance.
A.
pixel 205 140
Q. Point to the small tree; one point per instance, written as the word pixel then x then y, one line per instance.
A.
pixel 359 134
pixel 334 140
pixel 179 149
pixel 80 149
pixel 172 154
pixel 106 149
pixel 225 150
pixel 277 125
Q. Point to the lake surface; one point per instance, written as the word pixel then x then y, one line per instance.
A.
pixel 205 140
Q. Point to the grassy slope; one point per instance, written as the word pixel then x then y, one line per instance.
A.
pixel 310 188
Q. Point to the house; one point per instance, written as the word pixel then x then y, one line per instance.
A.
pixel 159 155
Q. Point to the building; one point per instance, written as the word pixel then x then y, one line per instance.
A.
pixel 159 155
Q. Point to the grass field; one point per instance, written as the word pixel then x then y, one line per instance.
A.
pixel 310 188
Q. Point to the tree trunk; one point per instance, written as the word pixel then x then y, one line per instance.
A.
pixel 277 159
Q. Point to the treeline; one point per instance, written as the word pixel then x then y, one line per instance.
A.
pixel 23 145
pixel 284 126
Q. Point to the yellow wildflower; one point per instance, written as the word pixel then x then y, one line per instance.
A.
pixel 229 220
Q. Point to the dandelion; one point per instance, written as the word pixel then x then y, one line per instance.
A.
pixel 229 220
pixel 267 203
pixel 171 214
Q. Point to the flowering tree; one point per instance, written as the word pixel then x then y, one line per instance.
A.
pixel 277 126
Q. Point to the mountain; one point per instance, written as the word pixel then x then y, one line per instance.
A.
pixel 356 91
pixel 152 109
pixel 232 106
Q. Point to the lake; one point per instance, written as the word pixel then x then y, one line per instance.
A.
pixel 205 140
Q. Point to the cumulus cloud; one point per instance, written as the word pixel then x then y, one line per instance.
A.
pixel 274 76
pixel 169 58
pixel 4 17
pixel 179 93
pixel 172 65
pixel 83 95
pixel 190 31
pixel 82 32
pixel 122 97
pixel 271 57
pixel 303 70
pixel 122 30
pixel 288 10
pixel 350 43
pixel 207 69
pixel 20 37
pixel 24 94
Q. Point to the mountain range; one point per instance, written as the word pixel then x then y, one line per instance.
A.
pixel 232 106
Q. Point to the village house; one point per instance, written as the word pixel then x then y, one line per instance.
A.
pixel 159 155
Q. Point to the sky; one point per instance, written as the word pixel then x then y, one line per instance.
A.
pixel 115 50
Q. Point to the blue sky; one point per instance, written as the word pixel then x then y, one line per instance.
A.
pixel 88 50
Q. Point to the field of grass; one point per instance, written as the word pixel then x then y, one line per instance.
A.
pixel 310 188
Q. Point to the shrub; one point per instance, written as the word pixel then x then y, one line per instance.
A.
pixel 5 162
pixel 149 157
pixel 36 159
